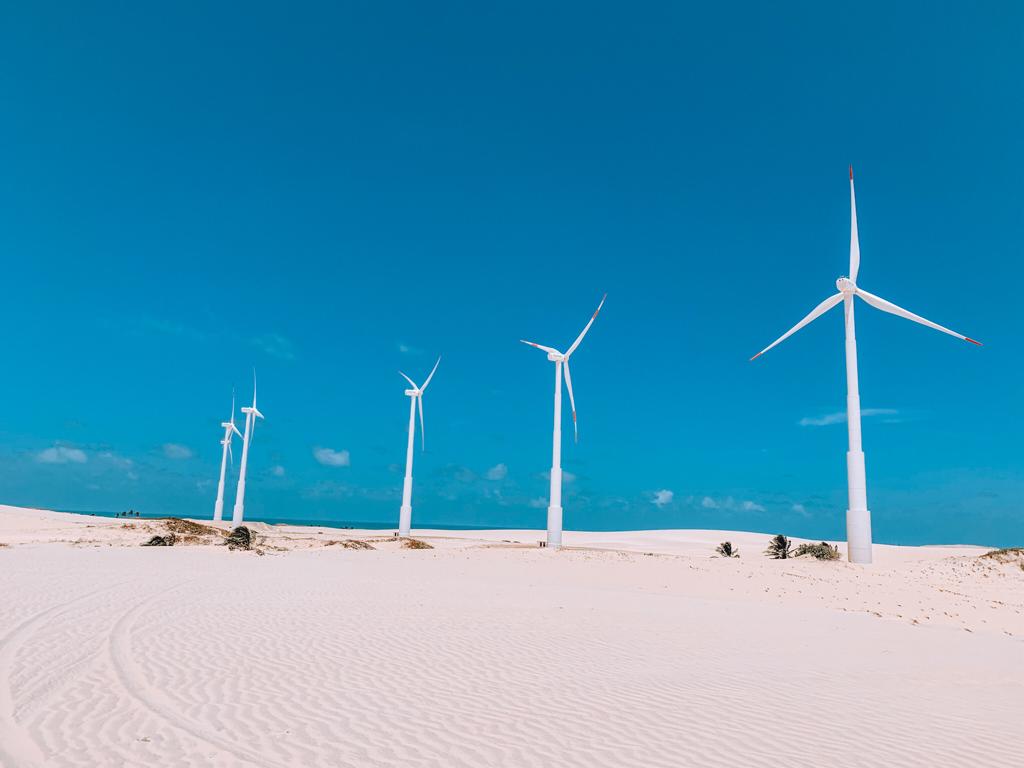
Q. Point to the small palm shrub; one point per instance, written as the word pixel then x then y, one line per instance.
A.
pixel 821 551
pixel 726 549
pixel 779 547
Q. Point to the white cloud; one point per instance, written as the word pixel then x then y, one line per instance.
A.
pixel 275 345
pixel 61 454
pixel 277 470
pixel 118 461
pixel 331 458
pixel 538 503
pixel 731 504
pixel 497 472
pixel 663 497
pixel 839 417
pixel 800 509
pixel 177 451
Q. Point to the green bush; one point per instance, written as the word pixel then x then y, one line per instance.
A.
pixel 779 547
pixel 726 549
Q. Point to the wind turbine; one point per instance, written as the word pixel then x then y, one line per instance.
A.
pixel 415 396
pixel 858 518
pixel 251 414
pixel 229 428
pixel 561 359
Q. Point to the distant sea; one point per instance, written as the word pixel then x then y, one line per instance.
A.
pixel 361 524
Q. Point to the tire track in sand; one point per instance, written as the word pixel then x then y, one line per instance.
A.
pixel 133 680
pixel 17 747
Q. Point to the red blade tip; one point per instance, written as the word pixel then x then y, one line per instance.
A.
pixel 851 173
pixel 972 341
pixel 755 357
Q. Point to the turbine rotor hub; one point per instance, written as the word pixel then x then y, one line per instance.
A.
pixel 846 285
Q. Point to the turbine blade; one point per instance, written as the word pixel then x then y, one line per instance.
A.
pixel 586 328
pixel 825 306
pixel 235 430
pixel 254 388
pixel 887 306
pixel 551 350
pixel 411 382
pixel 854 237
pixel 231 456
pixel 232 419
pixel 572 402
pixel 425 383
pixel 423 431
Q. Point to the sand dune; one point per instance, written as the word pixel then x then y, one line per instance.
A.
pixel 483 653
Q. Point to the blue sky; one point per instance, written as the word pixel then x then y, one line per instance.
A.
pixel 332 192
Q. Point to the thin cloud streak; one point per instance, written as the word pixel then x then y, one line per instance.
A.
pixel 839 417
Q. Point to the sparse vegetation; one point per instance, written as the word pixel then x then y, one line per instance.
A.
pixel 726 549
pixel 349 544
pixel 161 541
pixel 415 544
pixel 1007 555
pixel 822 551
pixel 779 547
pixel 188 528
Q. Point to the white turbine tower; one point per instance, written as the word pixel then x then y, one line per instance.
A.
pixel 251 414
pixel 229 428
pixel 858 519
pixel 415 396
pixel 561 359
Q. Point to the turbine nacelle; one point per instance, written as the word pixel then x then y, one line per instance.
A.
pixel 556 357
pixel 846 285
pixel 414 392
pixel 253 410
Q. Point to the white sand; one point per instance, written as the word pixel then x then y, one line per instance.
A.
pixel 478 653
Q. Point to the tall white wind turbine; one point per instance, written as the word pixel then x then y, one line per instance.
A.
pixel 858 518
pixel 229 429
pixel 251 414
pixel 561 359
pixel 415 396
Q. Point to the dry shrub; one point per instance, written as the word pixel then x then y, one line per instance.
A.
pixel 415 544
pixel 349 544
pixel 822 551
pixel 188 528
pixel 160 541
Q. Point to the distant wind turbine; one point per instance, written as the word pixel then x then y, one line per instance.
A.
pixel 561 359
pixel 858 518
pixel 229 428
pixel 251 414
pixel 415 396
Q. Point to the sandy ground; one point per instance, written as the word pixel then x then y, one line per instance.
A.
pixel 629 649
